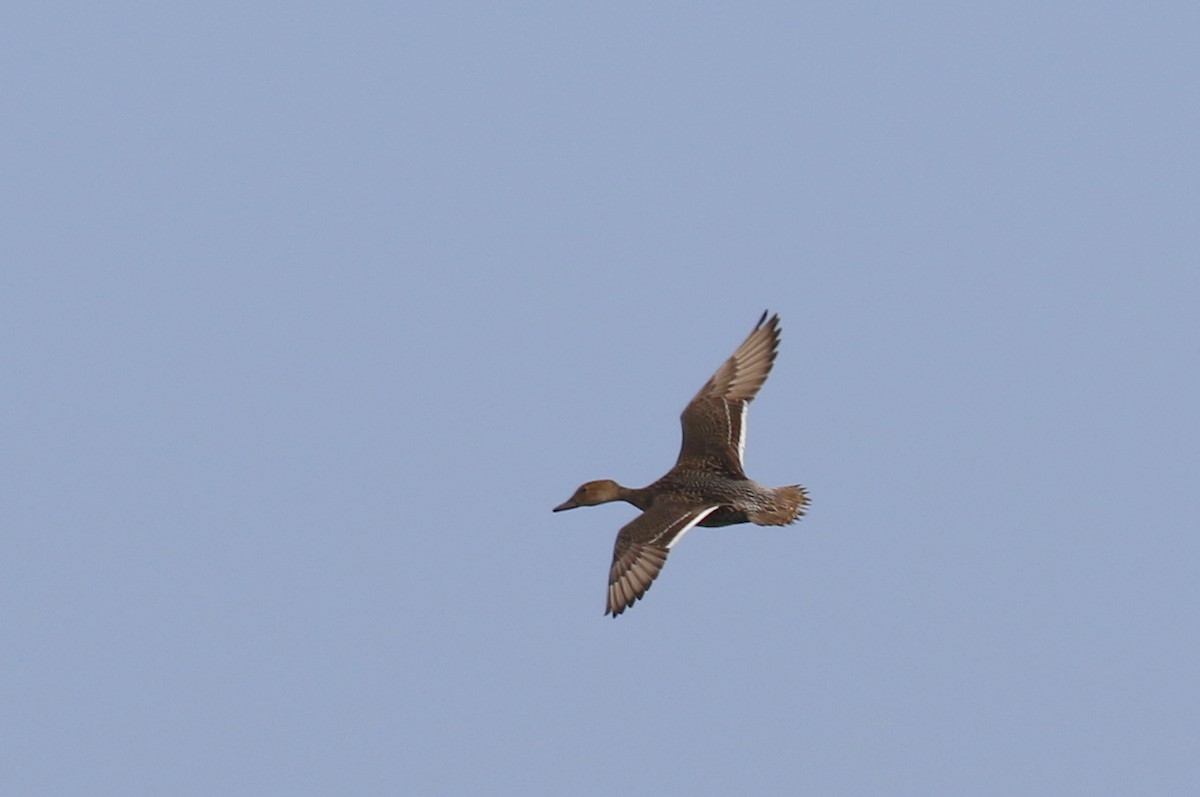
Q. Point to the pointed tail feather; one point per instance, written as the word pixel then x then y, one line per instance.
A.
pixel 789 506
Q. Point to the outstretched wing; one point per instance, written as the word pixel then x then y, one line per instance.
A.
pixel 641 550
pixel 714 422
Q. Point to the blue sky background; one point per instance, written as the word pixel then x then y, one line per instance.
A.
pixel 311 312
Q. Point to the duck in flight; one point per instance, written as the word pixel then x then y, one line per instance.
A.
pixel 707 486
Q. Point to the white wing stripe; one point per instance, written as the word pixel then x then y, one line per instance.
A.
pixel 699 516
pixel 741 444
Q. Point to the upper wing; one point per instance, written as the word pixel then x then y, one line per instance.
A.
pixel 641 550
pixel 714 422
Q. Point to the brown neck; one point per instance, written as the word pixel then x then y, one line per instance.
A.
pixel 634 495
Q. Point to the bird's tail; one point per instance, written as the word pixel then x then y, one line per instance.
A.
pixel 789 506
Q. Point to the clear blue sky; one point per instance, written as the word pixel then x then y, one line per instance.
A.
pixel 311 312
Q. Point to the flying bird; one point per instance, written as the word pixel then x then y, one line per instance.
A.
pixel 708 485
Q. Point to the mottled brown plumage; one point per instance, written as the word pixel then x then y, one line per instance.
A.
pixel 707 486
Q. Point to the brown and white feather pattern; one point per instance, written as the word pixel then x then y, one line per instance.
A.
pixel 714 421
pixel 641 550
pixel 707 485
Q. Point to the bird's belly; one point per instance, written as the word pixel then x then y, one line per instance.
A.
pixel 725 516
